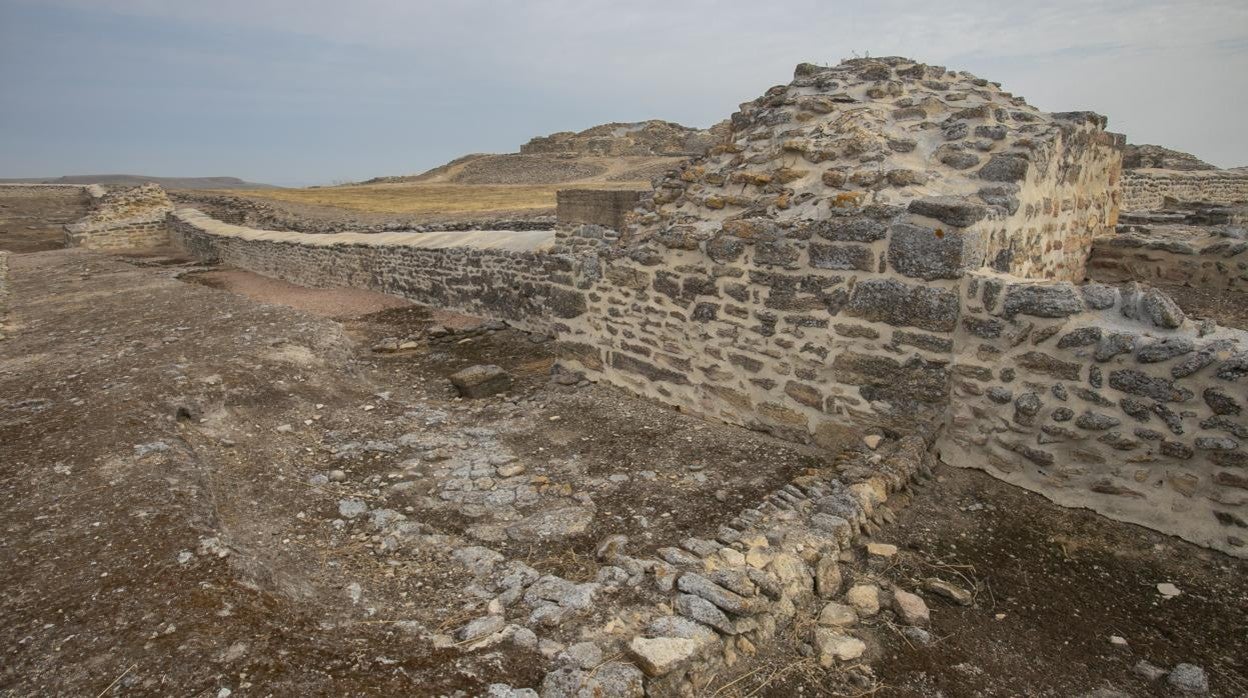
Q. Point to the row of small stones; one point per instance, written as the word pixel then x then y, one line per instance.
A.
pixel 737 591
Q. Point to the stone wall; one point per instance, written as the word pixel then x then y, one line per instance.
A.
pixel 498 274
pixel 1200 257
pixel 131 218
pixel 803 278
pixel 606 207
pixel 1104 398
pixel 882 245
pixel 1147 190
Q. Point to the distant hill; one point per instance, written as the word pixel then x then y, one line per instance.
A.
pixel 118 180
pixel 615 153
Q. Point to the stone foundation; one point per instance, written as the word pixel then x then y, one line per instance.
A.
pixel 1147 190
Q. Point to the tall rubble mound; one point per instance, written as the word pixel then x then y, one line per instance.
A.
pixel 955 172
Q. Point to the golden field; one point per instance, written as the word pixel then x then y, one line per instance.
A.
pixel 417 198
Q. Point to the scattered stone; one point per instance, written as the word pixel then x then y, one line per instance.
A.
pixel 833 646
pixel 660 655
pixel 837 615
pixel 954 593
pixel 911 608
pixel 865 598
pixel 554 524
pixel 872 441
pixel 1189 678
pixel 881 551
pixel 1148 671
pixel 1168 590
pixel 351 508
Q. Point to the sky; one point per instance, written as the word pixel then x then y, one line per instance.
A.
pixel 299 92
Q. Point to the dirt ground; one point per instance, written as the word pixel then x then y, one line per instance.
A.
pixel 34 223
pixel 166 452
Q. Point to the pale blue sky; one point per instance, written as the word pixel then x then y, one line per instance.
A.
pixel 314 91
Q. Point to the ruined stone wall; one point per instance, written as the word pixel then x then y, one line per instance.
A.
pixel 131 218
pixel 1216 259
pixel 606 207
pixel 1147 190
pixel 1105 399
pixel 803 278
pixel 498 274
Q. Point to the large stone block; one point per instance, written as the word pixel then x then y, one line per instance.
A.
pixel 902 305
pixel 931 253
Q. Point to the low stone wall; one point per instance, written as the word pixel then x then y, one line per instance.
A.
pixel 1191 256
pixel 1104 398
pixel 1147 190
pixel 131 218
pixel 605 207
pixel 498 274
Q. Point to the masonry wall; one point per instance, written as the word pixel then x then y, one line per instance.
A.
pixel 1105 399
pixel 1147 190
pixel 606 207
pixel 1196 257
pixel 503 275
pixel 132 218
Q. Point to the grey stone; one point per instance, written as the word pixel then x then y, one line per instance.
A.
pixel 1129 380
pixel 1234 368
pixel 481 381
pixel 1099 296
pixel 1005 168
pixel 1216 443
pixel 951 210
pixel 1114 344
pixel 1081 337
pixel 901 305
pixel 1165 350
pixel 1062 414
pixel 1000 395
pixel 553 524
pixel 1042 300
pixel 847 257
pixel 1161 309
pixel 1207 355
pixel 662 655
pixel 1221 402
pixel 696 584
pixel 1096 421
pixel 910 608
pixel 351 508
pixel 482 627
pixel 1003 197
pixel 1188 678
pixel 704 612
pixel 927 253
pixel 851 229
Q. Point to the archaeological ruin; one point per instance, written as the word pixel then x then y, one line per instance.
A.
pixel 881 247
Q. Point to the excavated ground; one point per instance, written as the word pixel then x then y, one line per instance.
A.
pixel 165 447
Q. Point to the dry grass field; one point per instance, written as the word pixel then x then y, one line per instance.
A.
pixel 429 198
